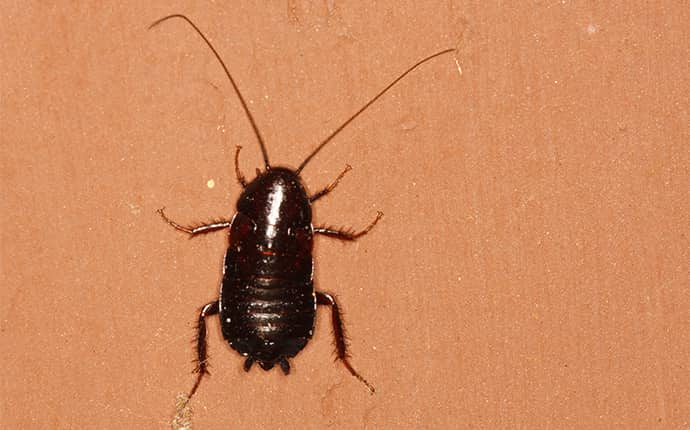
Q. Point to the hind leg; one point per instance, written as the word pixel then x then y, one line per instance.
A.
pixel 339 333
pixel 202 356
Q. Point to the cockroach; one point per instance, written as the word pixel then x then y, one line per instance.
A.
pixel 267 303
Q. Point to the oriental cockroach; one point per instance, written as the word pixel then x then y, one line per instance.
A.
pixel 267 302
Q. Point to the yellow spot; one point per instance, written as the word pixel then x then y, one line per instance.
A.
pixel 211 183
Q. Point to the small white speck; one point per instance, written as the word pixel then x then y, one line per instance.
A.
pixel 591 29
pixel 457 63
pixel 211 183
pixel 227 320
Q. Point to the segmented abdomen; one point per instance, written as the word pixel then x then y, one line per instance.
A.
pixel 267 302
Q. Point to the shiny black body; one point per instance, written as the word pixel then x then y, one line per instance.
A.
pixel 267 298
pixel 268 302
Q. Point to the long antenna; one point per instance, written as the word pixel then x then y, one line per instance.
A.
pixel 232 81
pixel 369 103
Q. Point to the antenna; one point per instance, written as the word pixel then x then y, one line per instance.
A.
pixel 369 103
pixel 232 81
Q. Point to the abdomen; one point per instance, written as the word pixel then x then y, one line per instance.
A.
pixel 267 301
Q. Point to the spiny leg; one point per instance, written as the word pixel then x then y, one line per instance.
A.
pixel 202 356
pixel 193 231
pixel 240 176
pixel 330 187
pixel 347 234
pixel 338 332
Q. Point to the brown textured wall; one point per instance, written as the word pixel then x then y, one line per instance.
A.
pixel 531 270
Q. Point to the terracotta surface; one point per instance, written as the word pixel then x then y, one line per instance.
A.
pixel 531 270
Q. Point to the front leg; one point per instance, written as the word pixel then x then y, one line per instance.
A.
pixel 330 187
pixel 193 231
pixel 238 173
pixel 339 334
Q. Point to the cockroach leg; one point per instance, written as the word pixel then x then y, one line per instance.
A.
pixel 339 334
pixel 202 356
pixel 193 231
pixel 330 188
pixel 240 176
pixel 344 234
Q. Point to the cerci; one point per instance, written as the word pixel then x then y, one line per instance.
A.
pixel 268 302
